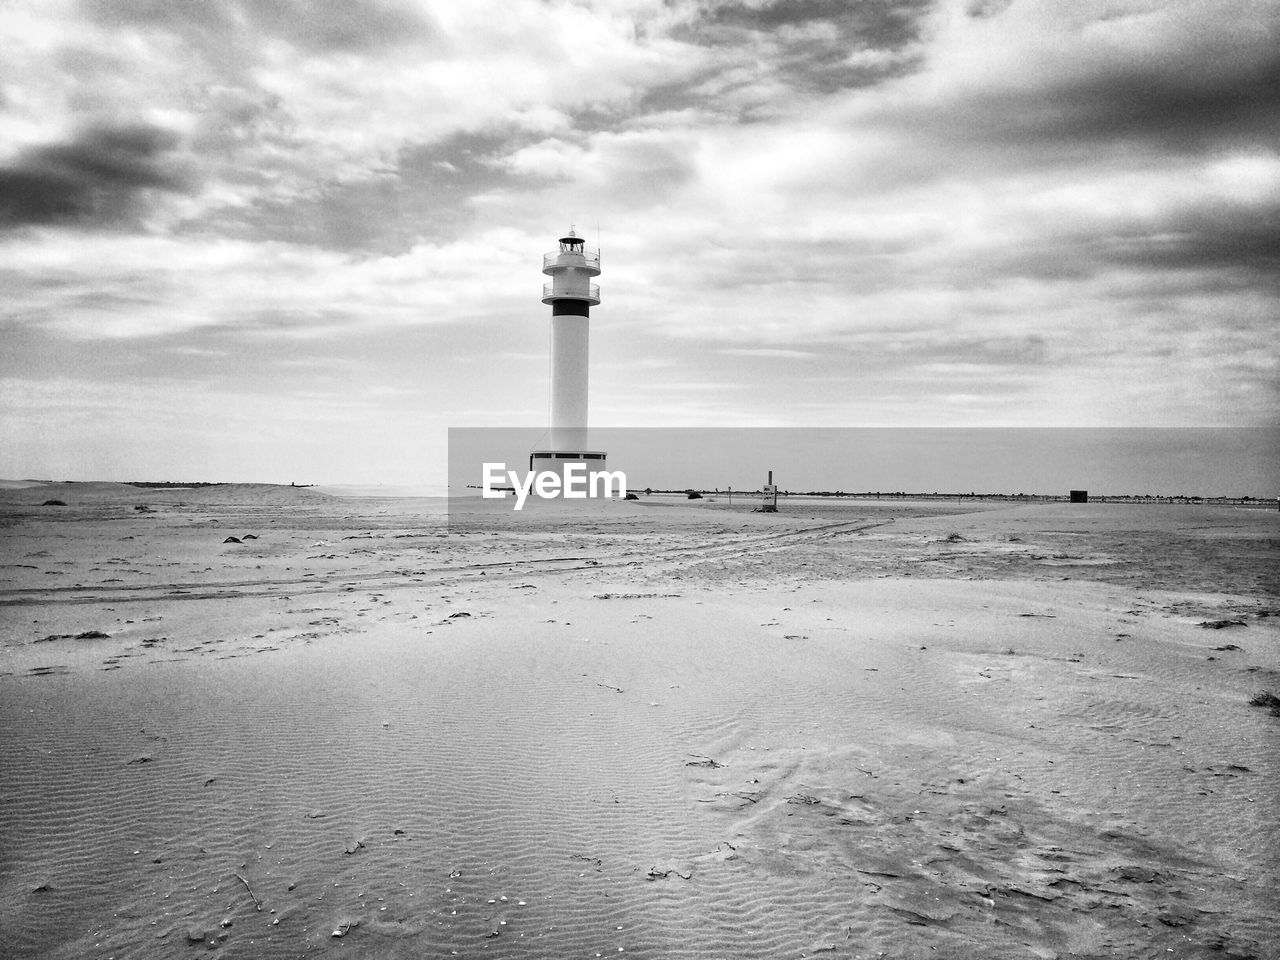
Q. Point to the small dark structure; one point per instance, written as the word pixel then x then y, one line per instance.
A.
pixel 53 503
pixel 1079 496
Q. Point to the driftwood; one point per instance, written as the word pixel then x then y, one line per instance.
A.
pixel 256 902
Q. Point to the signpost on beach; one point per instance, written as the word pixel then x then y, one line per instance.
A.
pixel 770 496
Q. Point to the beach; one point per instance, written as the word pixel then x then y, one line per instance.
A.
pixel 662 728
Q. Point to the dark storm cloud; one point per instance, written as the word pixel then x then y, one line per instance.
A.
pixel 1238 103
pixel 100 177
pixel 1245 97
pixel 349 25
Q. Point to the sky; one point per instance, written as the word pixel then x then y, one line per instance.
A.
pixel 287 241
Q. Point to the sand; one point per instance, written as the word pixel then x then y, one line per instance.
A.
pixel 655 729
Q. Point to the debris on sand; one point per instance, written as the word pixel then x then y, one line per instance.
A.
pixel 256 902
pixel 232 540
pixel 633 596
pixel 1176 916
pixel 1135 873
pixel 85 635
pixel 1221 624
pixel 704 762
pixel 668 868
pixel 345 927
pixel 1266 699
pixel 54 503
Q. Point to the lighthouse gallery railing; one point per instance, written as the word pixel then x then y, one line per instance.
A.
pixel 590 258
pixel 592 292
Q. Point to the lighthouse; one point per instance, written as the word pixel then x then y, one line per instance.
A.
pixel 571 295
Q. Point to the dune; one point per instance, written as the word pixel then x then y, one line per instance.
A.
pixel 649 728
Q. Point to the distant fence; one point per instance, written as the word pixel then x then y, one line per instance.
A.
pixel 1258 502
pixel 1051 498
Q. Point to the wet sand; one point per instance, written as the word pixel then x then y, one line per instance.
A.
pixel 661 729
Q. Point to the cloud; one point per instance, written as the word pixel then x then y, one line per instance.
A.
pixel 1242 238
pixel 283 102
pixel 104 175
pixel 157 286
pixel 772 353
pixel 427 195
pixel 354 26
pixel 803 46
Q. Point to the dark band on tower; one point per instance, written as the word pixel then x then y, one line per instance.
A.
pixel 570 308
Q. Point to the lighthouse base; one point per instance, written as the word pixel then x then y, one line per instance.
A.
pixel 556 460
pixel 582 473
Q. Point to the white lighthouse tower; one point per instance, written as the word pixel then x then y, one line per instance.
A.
pixel 571 295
